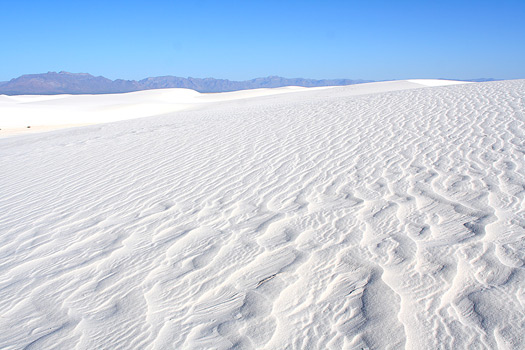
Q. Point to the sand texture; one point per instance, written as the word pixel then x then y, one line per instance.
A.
pixel 386 216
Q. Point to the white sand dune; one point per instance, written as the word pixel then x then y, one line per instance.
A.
pixel 37 111
pixel 378 216
pixel 44 113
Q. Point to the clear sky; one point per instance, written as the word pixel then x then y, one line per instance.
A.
pixel 240 40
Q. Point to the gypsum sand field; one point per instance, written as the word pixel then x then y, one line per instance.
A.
pixel 341 218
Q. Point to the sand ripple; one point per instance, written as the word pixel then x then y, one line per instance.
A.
pixel 312 220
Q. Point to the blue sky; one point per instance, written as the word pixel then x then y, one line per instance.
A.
pixel 240 40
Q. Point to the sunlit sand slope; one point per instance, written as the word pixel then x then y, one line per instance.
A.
pixel 321 219
pixel 36 113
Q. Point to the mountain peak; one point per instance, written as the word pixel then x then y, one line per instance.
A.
pixel 74 74
pixel 63 82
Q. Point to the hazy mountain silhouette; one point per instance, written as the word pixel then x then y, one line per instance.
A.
pixel 52 83
pixel 83 83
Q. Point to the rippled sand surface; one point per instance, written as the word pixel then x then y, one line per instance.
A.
pixel 337 218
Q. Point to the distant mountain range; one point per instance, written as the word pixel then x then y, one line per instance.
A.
pixel 52 83
pixel 81 83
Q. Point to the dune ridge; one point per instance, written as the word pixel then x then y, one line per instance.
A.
pixel 23 114
pixel 323 219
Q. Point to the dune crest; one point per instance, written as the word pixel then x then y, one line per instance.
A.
pixel 50 112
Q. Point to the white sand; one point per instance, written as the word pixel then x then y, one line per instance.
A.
pixel 437 82
pixel 380 216
pixel 35 113
pixel 61 111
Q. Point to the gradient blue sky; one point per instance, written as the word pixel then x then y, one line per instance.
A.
pixel 241 40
